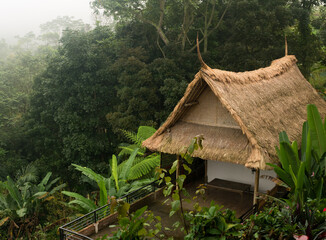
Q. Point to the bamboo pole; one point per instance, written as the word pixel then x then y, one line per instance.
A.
pixel 206 179
pixel 177 172
pixel 256 187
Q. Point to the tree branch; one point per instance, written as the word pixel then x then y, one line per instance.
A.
pixel 212 30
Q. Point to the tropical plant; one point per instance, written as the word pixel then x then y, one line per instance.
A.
pixel 115 185
pixel 141 229
pixel 213 223
pixel 136 139
pixel 273 222
pixel 304 174
pixel 22 203
pixel 277 221
pixel 176 190
pixel 125 177
pixel 135 225
pixel 144 164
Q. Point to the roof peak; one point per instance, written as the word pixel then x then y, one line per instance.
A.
pixel 203 64
pixel 277 67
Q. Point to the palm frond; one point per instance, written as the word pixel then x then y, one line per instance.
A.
pixel 103 194
pixel 145 132
pixel 57 188
pixel 277 181
pixel 136 161
pixel 144 167
pixel 26 174
pixel 131 136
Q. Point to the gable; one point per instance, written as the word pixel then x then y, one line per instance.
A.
pixel 209 111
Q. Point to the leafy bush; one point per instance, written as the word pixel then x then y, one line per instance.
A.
pixel 271 223
pixel 213 223
pixel 22 204
pixel 304 174
pixel 136 171
pixel 134 225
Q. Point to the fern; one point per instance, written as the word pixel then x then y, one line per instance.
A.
pixel 128 149
pixel 136 160
pixel 145 132
pixel 131 136
pixel 144 167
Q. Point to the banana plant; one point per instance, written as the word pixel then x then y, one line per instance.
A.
pixel 22 202
pixel 304 173
pixel 136 171
pixel 124 178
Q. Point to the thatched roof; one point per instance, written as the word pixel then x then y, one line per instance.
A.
pixel 263 103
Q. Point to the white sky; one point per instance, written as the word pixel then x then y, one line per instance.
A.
pixel 18 17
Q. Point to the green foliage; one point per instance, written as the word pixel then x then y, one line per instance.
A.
pixel 135 225
pixel 66 105
pixel 22 204
pixel 304 175
pixel 279 221
pixel 201 223
pixel 67 117
pixel 213 223
pixel 52 31
pixel 303 40
pixel 252 34
pixel 176 190
pixel 143 164
pixel 123 178
pixel 271 223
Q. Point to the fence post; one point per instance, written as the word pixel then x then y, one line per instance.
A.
pixel 95 217
pixel 62 236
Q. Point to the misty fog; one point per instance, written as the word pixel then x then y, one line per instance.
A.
pixel 20 17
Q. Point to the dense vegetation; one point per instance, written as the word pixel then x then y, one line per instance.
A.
pixel 300 215
pixel 66 95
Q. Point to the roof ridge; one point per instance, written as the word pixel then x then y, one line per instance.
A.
pixel 277 67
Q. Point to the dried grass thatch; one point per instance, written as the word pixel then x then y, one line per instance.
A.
pixel 263 103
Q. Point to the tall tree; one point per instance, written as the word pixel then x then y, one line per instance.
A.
pixel 172 20
pixel 70 101
pixel 52 31
pixel 306 45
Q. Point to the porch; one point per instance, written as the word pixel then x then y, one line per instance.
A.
pixel 228 199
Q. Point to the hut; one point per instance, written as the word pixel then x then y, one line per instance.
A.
pixel 240 116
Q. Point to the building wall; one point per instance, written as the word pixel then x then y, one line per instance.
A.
pixel 238 173
pixel 209 111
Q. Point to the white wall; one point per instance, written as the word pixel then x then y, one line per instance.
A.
pixel 238 173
